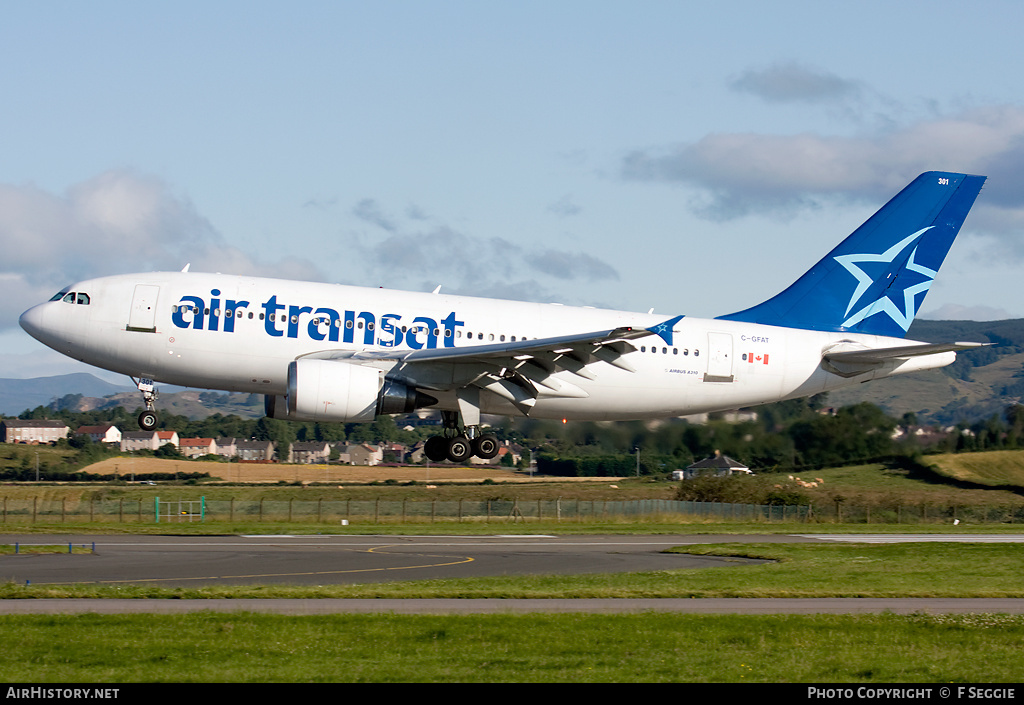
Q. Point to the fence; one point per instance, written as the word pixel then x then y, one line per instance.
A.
pixel 37 510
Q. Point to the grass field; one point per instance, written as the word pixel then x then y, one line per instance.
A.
pixel 244 647
pixel 578 648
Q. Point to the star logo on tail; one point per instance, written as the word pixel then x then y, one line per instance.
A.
pixel 889 301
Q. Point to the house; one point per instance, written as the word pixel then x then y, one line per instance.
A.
pixel 361 454
pixel 139 440
pixel 416 454
pixel 255 451
pixel 393 452
pixel 309 452
pixel 226 447
pixel 717 465
pixel 34 432
pixel 104 433
pixel 165 437
pixel 197 447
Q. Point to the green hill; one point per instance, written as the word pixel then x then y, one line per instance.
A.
pixel 980 383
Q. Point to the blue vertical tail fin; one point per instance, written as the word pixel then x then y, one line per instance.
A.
pixel 875 280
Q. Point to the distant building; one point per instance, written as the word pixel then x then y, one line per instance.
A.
pixel 104 433
pixel 197 447
pixel 165 437
pixel 393 452
pixel 139 440
pixel 310 452
pixel 226 447
pixel 717 465
pixel 255 451
pixel 33 432
pixel 361 454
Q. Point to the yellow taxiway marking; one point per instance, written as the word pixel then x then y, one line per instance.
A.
pixel 464 559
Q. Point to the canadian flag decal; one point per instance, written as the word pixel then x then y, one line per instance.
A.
pixel 762 358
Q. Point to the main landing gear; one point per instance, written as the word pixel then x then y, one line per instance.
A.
pixel 457 445
pixel 148 418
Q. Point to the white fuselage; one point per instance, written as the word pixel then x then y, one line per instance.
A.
pixel 240 333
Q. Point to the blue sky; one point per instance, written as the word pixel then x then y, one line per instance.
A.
pixel 691 157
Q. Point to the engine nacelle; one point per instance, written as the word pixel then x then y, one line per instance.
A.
pixel 333 390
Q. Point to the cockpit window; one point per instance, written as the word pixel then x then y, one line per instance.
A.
pixel 59 295
pixel 72 298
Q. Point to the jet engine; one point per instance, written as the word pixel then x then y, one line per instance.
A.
pixel 332 390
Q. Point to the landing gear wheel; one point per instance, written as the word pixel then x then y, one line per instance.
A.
pixel 459 449
pixel 436 449
pixel 485 447
pixel 148 420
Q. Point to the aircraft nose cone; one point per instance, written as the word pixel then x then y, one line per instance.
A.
pixel 33 322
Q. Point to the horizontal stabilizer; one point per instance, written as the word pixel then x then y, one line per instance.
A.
pixel 884 354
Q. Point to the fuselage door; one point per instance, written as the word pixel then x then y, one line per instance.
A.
pixel 142 316
pixel 719 358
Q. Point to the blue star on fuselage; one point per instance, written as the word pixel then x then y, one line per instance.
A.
pixel 910 285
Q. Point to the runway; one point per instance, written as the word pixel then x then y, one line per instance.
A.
pixel 172 561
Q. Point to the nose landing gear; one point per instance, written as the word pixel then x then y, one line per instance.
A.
pixel 148 419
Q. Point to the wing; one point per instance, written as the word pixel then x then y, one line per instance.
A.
pixel 517 371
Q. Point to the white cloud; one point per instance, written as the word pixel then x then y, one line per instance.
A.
pixel 465 264
pixel 739 174
pixel 117 222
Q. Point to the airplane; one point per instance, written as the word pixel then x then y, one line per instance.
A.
pixel 331 352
